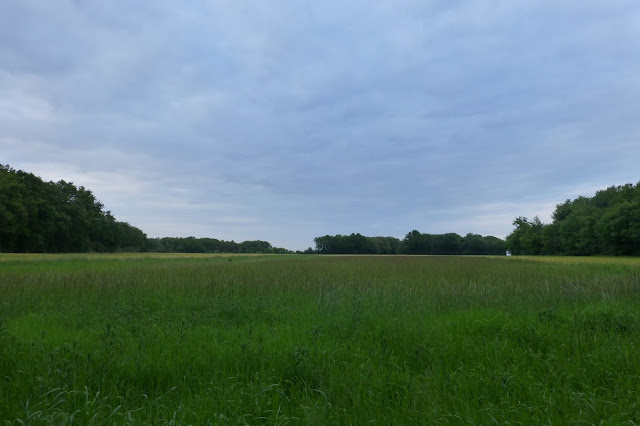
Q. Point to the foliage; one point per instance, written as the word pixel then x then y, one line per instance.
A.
pixel 452 244
pixel 210 245
pixel 413 243
pixel 38 216
pixel 356 244
pixel 196 339
pixel 606 224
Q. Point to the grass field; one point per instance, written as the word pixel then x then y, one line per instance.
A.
pixel 203 339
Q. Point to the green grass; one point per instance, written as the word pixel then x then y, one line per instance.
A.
pixel 173 339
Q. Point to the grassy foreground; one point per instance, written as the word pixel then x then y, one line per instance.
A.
pixel 152 339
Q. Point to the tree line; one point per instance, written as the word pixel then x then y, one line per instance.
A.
pixel 210 245
pixel 413 243
pixel 58 217
pixel 38 216
pixel 606 224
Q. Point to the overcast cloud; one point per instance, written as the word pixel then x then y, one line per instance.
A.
pixel 290 119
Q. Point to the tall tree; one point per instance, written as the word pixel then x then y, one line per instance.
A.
pixel 607 224
pixel 38 216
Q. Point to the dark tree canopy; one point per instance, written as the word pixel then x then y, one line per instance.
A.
pixel 210 245
pixel 413 243
pixel 452 244
pixel 38 216
pixel 356 244
pixel 606 224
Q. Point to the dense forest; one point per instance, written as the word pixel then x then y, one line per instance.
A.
pixel 210 245
pixel 413 243
pixel 38 216
pixel 453 244
pixel 606 224
pixel 356 244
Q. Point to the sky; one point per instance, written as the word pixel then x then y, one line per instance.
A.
pixel 285 120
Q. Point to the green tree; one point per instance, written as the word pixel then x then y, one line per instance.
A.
pixel 38 216
pixel 619 229
pixel 606 223
pixel 475 244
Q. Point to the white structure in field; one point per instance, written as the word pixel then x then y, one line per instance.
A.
pixel 508 253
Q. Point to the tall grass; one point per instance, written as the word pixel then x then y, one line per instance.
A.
pixel 318 340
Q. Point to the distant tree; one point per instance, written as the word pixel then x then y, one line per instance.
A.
pixel 210 245
pixel 516 240
pixel 129 238
pixel 451 244
pixel 324 245
pixel 495 246
pixel 533 239
pixel 416 243
pixel 475 244
pixel 255 247
pixel 356 244
pixel 384 245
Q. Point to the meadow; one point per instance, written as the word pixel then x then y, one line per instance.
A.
pixel 218 339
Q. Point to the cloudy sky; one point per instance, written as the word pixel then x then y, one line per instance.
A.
pixel 285 120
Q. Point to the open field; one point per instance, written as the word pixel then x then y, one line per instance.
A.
pixel 200 339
